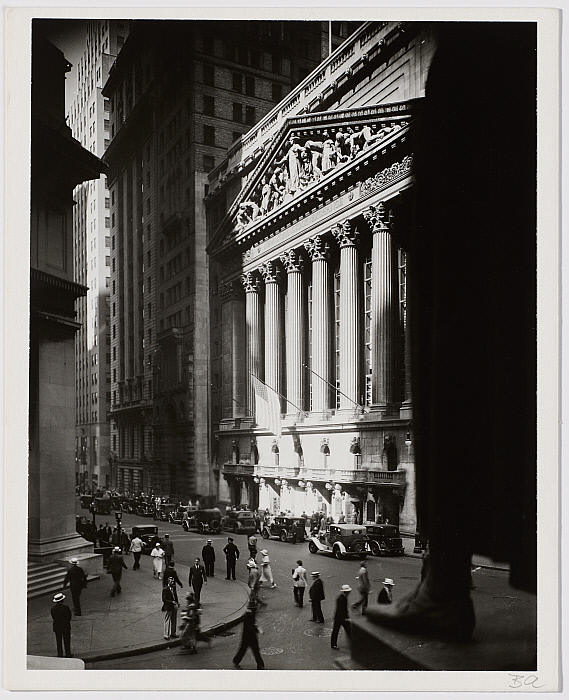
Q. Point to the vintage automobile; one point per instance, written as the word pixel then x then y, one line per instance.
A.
pixel 239 521
pixel 204 520
pixel 148 534
pixel 176 515
pixel 86 501
pixel 341 540
pixel 286 529
pixel 146 510
pixel 162 512
pixel 385 540
pixel 102 504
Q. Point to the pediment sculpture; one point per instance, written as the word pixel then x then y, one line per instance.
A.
pixel 300 164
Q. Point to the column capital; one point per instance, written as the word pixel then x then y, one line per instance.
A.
pixel 377 218
pixel 292 261
pixel 250 282
pixel 317 248
pixel 229 290
pixel 345 234
pixel 269 272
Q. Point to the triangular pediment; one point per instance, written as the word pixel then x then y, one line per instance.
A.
pixel 306 151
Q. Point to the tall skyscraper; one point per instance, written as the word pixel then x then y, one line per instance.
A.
pixel 181 93
pixel 89 120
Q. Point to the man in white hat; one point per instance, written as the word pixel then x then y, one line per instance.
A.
pixel 115 566
pixel 341 616
pixel 208 557
pixel 386 594
pixel 61 616
pixel 76 579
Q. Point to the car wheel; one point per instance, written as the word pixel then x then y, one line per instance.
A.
pixel 375 549
pixel 266 534
pixel 337 552
pixel 214 525
pixel 283 536
pixel 312 548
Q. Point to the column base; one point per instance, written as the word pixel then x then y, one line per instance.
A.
pixel 406 410
pixel 389 410
pixel 48 551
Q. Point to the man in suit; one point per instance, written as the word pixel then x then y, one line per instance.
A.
pixel 170 607
pixel 61 616
pixel 208 556
pixel 170 572
pixel 115 566
pixel 364 587
pixel 341 616
pixel 76 579
pixel 168 548
pixel 231 556
pixel 316 595
pixel 385 596
pixel 197 578
pixel 249 638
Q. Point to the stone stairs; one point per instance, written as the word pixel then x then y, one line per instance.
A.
pixel 44 578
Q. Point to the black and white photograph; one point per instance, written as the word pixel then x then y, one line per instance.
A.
pixel 284 366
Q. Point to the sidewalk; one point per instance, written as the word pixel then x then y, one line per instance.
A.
pixel 132 622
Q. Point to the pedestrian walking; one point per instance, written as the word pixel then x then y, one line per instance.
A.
pixel 254 582
pixel 197 578
pixel 108 533
pixel 115 566
pixel 191 626
pixel 170 607
pixel 136 549
pixel 125 542
pixel 300 583
pixel 341 616
pixel 316 595
pixel 252 544
pixel 157 555
pixel 231 555
pixel 168 548
pixel 363 586
pixel 266 570
pixel 208 557
pixel 102 536
pixel 76 579
pixel 170 572
pixel 116 537
pixel 249 639
pixel 61 616
pixel 385 596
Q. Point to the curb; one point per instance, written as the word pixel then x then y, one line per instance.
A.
pixel 493 567
pixel 159 646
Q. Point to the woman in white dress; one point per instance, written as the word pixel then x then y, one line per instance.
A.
pixel 266 571
pixel 157 555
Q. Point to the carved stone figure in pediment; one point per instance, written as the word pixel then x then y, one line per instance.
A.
pixel 292 160
pixel 247 213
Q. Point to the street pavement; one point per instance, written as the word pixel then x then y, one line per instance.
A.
pixel 112 633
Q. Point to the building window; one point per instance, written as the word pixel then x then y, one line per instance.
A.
pixel 237 112
pixel 237 82
pixel 208 75
pixel 208 163
pixel 208 106
pixel 250 115
pixel 277 92
pixel 250 86
pixel 209 135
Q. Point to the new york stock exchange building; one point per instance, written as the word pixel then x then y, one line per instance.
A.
pixel 311 387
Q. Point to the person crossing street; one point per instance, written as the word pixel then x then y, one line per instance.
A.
pixel 76 579
pixel 208 556
pixel 197 579
pixel 115 566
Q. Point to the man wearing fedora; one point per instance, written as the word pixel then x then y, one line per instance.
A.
pixel 341 616
pixel 316 595
pixel 76 579
pixel 61 616
pixel 208 557
pixel 385 596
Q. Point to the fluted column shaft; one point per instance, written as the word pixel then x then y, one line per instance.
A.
pixel 346 236
pixel 382 307
pixel 295 328
pixel 320 324
pixel 273 335
pixel 254 334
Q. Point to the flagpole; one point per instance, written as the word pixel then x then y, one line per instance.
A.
pixel 333 387
pixel 218 388
pixel 277 392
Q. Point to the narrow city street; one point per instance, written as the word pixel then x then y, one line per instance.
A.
pixel 290 641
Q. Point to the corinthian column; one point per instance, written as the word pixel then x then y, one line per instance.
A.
pixel 254 334
pixel 233 344
pixel 295 325
pixel 320 376
pixel 382 307
pixel 346 236
pixel 273 335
